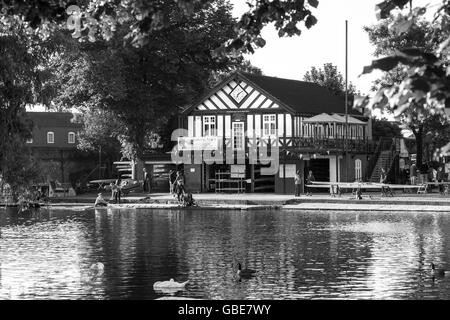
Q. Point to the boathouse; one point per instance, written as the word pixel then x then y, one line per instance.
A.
pixel 251 133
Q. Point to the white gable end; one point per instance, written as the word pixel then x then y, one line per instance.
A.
pixel 236 94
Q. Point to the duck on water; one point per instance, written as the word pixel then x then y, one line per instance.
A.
pixel 244 273
pixel 438 272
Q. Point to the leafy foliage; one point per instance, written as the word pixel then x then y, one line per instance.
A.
pixel 96 19
pixel 330 78
pixel 385 128
pixel 142 87
pixel 425 86
pixel 397 92
pixel 17 76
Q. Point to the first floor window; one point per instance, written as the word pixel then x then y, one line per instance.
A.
pixel 209 126
pixel 50 137
pixel 269 125
pixel 71 137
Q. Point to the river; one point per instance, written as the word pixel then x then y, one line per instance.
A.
pixel 297 255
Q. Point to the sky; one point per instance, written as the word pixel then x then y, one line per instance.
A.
pixel 325 42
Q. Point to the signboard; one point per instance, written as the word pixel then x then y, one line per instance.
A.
pixel 288 169
pixel 198 143
pixel 447 167
pixel 237 171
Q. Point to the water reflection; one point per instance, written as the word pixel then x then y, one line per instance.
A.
pixel 297 255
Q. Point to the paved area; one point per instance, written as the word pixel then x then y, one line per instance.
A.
pixel 258 201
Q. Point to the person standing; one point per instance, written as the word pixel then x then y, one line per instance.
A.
pixel 298 183
pixel 180 185
pixel 113 187
pixel 413 174
pixel 440 177
pixel 309 180
pixel 147 181
pixel 383 179
pixel 172 178
pixel 118 193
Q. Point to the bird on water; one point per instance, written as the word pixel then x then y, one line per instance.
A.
pixel 244 273
pixel 438 272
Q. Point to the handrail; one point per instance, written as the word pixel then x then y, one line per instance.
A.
pixel 373 161
pixel 392 150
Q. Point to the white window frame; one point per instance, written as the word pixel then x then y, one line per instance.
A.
pixel 52 135
pixel 269 125
pixel 71 134
pixel 209 126
pixel 358 169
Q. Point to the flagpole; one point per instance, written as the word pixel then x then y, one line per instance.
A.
pixel 346 100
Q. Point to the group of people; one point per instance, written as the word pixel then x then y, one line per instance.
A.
pixel 298 179
pixel 432 175
pixel 116 194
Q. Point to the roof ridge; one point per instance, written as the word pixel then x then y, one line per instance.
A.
pixel 282 79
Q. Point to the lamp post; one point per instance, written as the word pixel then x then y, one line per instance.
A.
pixel 346 101
pixel 100 163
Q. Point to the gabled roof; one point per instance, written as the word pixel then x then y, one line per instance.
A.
pixel 298 97
pixel 350 119
pixel 323 117
pixel 52 119
pixel 304 97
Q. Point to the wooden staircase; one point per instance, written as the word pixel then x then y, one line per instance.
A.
pixel 384 161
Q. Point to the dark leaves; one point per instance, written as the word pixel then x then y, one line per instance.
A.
pixel 313 3
pixel 385 64
pixel 310 21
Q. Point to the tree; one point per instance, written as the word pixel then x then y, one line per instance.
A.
pixel 382 128
pixel 144 86
pixel 424 89
pixel 18 85
pixel 330 78
pixel 387 40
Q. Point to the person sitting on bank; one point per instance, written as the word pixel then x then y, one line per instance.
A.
pixel 298 183
pixel 309 180
pixel 100 202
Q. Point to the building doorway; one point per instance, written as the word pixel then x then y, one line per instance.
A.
pixel 320 169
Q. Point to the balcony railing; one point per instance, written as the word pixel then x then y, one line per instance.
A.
pixel 288 143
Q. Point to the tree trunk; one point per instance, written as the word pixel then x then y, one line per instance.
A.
pixel 419 145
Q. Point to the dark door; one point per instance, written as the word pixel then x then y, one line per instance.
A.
pixel 320 169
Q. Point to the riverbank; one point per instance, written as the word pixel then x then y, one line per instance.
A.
pixel 319 202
